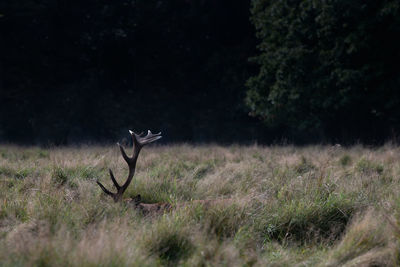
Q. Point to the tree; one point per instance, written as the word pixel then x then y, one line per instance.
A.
pixel 327 68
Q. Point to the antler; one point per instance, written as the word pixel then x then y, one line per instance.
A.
pixel 138 142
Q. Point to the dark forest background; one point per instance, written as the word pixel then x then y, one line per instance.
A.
pixel 199 70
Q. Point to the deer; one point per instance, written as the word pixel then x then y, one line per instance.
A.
pixel 139 141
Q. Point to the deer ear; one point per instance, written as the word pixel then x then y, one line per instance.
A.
pixel 137 199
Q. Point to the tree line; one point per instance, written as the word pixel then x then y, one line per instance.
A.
pixel 329 70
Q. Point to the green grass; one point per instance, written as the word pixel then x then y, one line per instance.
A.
pixel 314 206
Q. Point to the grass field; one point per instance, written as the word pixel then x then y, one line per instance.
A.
pixel 309 206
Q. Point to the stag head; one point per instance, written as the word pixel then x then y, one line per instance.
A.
pixel 138 141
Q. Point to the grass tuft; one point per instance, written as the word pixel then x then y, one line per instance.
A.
pixel 168 239
pixel 304 166
pixel 366 166
pixel 345 160
pixel 306 221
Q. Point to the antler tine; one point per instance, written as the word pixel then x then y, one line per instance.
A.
pixel 113 180
pixel 123 153
pixel 138 143
pixel 150 134
pixel 149 138
pixel 105 189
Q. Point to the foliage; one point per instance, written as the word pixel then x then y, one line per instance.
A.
pixel 327 69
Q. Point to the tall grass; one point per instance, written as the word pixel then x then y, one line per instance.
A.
pixel 317 205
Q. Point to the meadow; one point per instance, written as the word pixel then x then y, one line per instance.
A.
pixel 289 206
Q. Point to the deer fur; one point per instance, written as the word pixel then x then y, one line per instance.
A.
pixel 161 207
